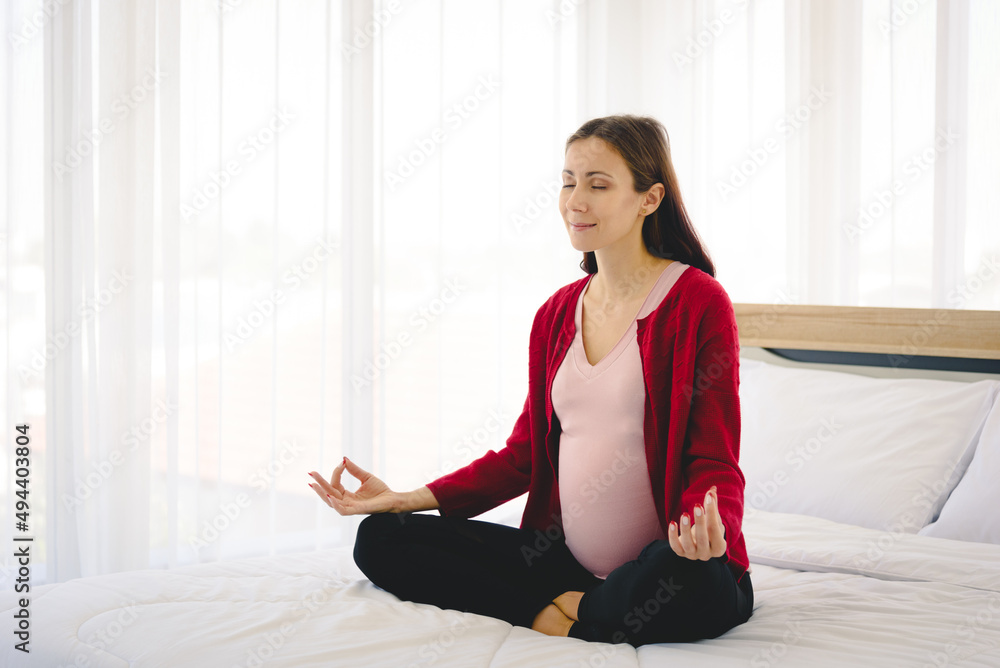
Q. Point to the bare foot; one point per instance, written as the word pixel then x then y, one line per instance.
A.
pixel 552 622
pixel 569 604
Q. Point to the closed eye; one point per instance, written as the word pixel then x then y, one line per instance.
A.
pixel 570 185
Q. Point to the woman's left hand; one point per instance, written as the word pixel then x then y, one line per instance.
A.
pixel 703 536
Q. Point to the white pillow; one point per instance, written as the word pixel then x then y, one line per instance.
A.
pixel 874 452
pixel 970 513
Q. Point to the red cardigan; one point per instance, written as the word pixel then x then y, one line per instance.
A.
pixel 689 346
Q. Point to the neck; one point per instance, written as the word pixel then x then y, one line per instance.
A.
pixel 623 284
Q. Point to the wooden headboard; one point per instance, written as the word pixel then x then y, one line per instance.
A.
pixel 859 329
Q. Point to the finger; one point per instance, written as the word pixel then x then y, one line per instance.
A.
pixel 341 505
pixel 674 540
pixel 357 471
pixel 325 490
pixel 716 529
pixel 333 485
pixel 337 505
pixel 320 492
pixel 324 497
pixel 344 502
pixel 335 478
pixel 703 551
pixel 685 537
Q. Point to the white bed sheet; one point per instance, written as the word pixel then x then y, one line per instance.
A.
pixel 827 594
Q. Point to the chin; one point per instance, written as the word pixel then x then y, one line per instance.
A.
pixel 575 243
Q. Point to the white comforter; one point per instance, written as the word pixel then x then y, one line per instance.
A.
pixel 827 594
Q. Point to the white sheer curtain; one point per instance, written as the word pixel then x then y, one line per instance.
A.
pixel 244 238
pixel 266 235
pixel 189 410
pixel 830 152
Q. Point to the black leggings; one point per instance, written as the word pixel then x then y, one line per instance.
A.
pixel 512 574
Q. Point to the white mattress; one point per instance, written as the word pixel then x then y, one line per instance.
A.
pixel 827 594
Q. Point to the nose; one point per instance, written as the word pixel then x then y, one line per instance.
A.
pixel 575 200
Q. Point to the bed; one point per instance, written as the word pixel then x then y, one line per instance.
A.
pixel 871 525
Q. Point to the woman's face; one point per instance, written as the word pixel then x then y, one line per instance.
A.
pixel 598 192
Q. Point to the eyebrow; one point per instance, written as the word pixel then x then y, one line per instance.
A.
pixel 566 171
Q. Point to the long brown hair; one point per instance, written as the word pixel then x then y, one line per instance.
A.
pixel 643 144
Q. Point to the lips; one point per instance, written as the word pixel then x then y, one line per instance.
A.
pixel 576 226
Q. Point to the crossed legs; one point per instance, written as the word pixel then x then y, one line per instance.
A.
pixel 499 571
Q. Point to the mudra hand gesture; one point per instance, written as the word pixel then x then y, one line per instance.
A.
pixel 373 496
pixel 703 538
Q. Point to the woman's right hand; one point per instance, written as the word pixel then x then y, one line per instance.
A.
pixel 373 496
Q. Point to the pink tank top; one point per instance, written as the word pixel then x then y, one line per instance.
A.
pixel 607 501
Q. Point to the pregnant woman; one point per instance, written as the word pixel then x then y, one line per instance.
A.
pixel 628 443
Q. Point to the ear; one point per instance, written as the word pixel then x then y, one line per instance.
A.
pixel 654 196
